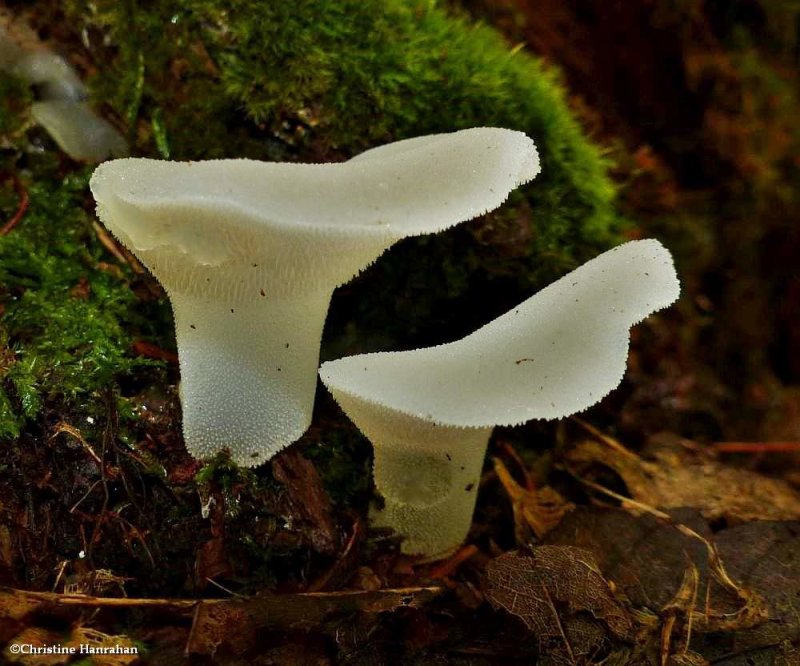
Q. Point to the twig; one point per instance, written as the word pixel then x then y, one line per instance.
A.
pixel 84 601
pixel 512 453
pixel 225 589
pixel 757 447
pixel 85 495
pixel 61 568
pixel 605 439
pixel 109 243
pixel 448 567
pixel 321 582
pixel 149 350
pixel 74 432
pixel 136 533
pixel 22 207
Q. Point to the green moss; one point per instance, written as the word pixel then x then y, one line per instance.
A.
pixel 15 102
pixel 321 80
pixel 306 80
pixel 221 472
pixel 67 324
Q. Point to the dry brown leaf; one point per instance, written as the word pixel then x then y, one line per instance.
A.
pixel 677 476
pixel 647 558
pixel 561 596
pixel 535 511
pixel 765 556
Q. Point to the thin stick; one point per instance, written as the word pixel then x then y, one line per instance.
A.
pixel 757 447
pixel 448 567
pixel 74 432
pixel 22 207
pixel 80 600
pixel 605 439
pixel 225 589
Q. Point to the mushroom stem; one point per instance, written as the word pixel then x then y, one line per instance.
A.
pixel 241 388
pixel 434 512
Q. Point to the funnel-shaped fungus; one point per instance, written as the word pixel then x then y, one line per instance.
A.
pixel 429 412
pixel 250 252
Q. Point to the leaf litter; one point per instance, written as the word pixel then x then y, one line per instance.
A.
pixel 674 472
pixel 560 595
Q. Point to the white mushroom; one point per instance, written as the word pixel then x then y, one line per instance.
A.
pixel 79 131
pixel 52 75
pixel 250 252
pixel 61 109
pixel 429 412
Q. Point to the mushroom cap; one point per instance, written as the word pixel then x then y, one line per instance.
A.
pixel 52 74
pixel 313 224
pixel 555 354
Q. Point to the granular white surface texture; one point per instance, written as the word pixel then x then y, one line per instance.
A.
pixel 555 354
pixel 250 252
pixel 429 412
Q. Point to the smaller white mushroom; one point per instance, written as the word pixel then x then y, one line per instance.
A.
pixel 250 253
pixel 430 412
pixel 79 131
pixel 51 74
pixel 61 109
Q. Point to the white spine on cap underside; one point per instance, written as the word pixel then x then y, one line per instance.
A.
pixel 249 253
pixel 553 355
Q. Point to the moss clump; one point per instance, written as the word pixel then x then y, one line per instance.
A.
pixel 68 315
pixel 303 80
pixel 315 80
pixel 15 103
pixel 68 319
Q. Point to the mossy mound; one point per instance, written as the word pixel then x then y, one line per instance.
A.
pixel 307 81
pixel 317 81
pixel 68 312
pixel 69 318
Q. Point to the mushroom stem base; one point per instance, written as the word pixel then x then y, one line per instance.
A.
pixel 427 474
pixel 248 372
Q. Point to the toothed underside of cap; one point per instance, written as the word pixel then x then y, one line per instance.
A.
pixel 429 412
pixel 317 224
pixel 248 374
pixel 428 477
pixel 555 354
pixel 250 252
